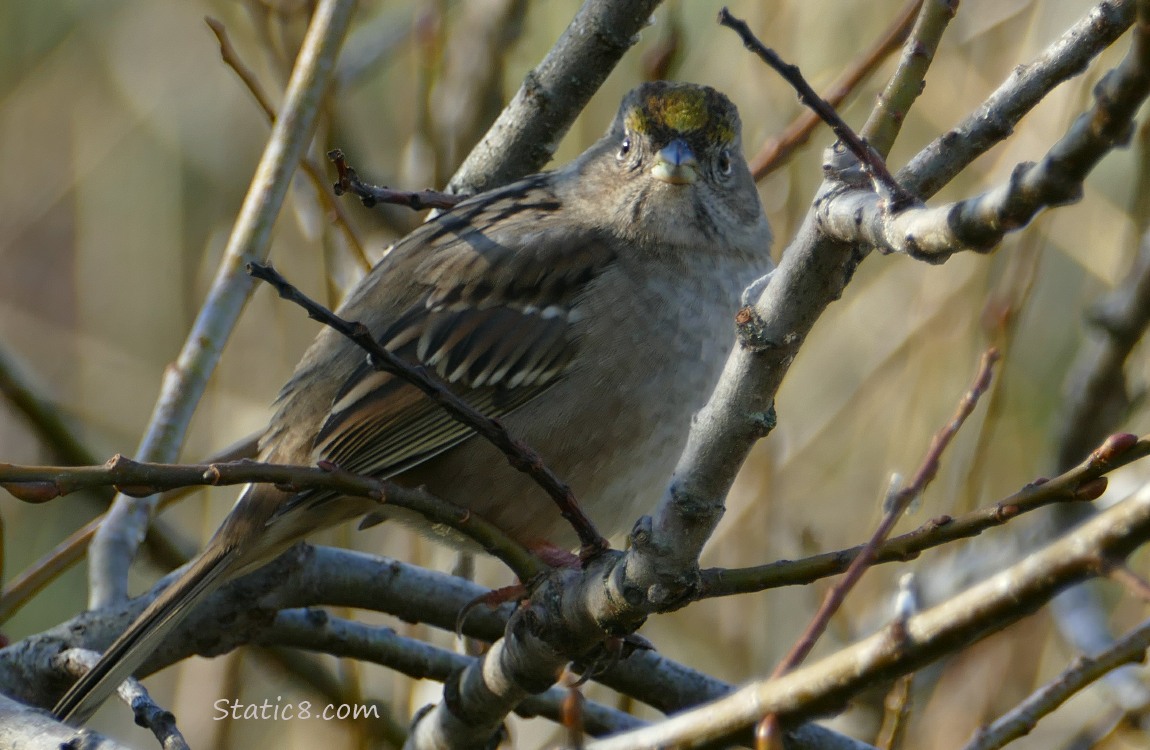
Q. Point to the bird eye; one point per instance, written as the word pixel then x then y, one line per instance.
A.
pixel 725 161
pixel 624 149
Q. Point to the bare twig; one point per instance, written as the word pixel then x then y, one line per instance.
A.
pixel 1097 398
pixel 24 390
pixel 145 479
pixel 978 224
pixel 1026 86
pixel 77 662
pixel 984 608
pixel 314 174
pixel 898 704
pixel 1135 584
pixel 523 138
pixel 1084 482
pixel 118 538
pixel 776 150
pixel 886 119
pixel 372 195
pixel 815 270
pixel 1082 673
pixel 311 576
pixel 896 506
pixel 316 630
pixel 872 162
pixel 23 586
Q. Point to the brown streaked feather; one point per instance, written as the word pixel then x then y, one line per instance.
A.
pixel 488 308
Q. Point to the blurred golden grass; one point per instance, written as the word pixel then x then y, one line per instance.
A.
pixel 126 146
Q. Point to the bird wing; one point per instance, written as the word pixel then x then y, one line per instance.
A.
pixel 488 294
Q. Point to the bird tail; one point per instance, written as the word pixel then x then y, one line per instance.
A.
pixel 144 635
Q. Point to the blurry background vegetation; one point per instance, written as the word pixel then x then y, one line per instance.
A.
pixel 126 146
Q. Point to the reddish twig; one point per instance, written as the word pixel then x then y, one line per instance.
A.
pixel 768 731
pixel 519 455
pixel 372 195
pixel 572 708
pixel 896 504
pixel 21 587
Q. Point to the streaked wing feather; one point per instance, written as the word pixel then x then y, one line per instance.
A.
pixel 397 427
pixel 495 283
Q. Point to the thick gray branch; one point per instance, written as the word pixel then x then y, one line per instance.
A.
pixel 906 646
pixel 524 137
pixel 315 630
pixel 1027 85
pixel 980 223
pixel 24 727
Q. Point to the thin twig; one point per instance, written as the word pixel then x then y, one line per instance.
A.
pixel 897 707
pixel 889 113
pixel 314 174
pixel 148 714
pixel 1082 483
pixel 1135 585
pixel 519 455
pixel 146 479
pixel 871 162
pixel 980 222
pixel 1082 673
pixel 985 608
pixel 777 149
pixel 1028 84
pixel 372 195
pixel 896 506
pixel 769 732
pixel 22 587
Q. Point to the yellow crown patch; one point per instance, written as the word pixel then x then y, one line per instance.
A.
pixel 683 110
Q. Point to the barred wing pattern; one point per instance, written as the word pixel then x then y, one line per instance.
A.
pixel 499 340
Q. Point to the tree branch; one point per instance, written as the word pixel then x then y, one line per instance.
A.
pixel 524 137
pixel 117 539
pixel 144 479
pixel 1084 482
pixel 1081 674
pixel 919 640
pixel 778 148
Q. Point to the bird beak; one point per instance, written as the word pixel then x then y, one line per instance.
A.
pixel 675 164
